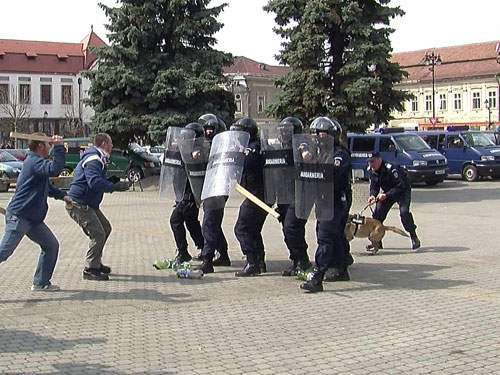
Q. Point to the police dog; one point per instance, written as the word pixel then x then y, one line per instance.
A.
pixel 371 228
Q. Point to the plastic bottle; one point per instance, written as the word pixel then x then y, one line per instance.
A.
pixel 187 273
pixel 164 264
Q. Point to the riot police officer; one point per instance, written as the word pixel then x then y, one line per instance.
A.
pixel 396 188
pixel 330 233
pixel 251 218
pixel 294 228
pixel 213 235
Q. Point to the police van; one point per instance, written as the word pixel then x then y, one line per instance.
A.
pixel 408 150
pixel 470 153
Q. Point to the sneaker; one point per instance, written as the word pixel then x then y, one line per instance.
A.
pixel 105 269
pixel 94 274
pixel 45 288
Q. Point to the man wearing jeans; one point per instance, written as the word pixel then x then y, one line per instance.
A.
pixel 87 190
pixel 28 208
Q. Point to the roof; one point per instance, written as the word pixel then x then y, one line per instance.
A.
pixel 244 65
pixel 464 61
pixel 26 56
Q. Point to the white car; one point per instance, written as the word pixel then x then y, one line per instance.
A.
pixel 157 151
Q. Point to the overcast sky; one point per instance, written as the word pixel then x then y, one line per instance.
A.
pixel 248 29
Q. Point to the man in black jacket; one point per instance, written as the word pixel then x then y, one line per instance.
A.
pixel 396 188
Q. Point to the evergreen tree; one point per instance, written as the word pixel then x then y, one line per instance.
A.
pixel 339 52
pixel 160 69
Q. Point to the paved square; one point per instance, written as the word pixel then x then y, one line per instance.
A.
pixel 435 311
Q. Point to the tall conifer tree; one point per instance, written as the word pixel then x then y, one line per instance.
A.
pixel 339 52
pixel 161 68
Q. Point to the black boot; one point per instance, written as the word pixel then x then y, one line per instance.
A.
pixel 304 264
pixel 251 268
pixel 315 284
pixel 222 260
pixel 183 256
pixel 380 245
pixel 415 242
pixel 340 274
pixel 262 262
pixel 291 270
pixel 206 266
pixel 199 256
pixel 94 274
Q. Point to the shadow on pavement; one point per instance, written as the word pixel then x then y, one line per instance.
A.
pixel 14 341
pixel 401 276
pixel 401 251
pixel 452 196
pixel 89 368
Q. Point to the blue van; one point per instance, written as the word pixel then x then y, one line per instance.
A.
pixel 422 163
pixel 470 153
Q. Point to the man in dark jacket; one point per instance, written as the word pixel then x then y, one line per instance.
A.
pixel 28 208
pixel 396 188
pixel 87 190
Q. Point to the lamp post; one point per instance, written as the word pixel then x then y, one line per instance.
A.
pixel 45 115
pixel 80 120
pixel 487 106
pixel 497 78
pixel 433 60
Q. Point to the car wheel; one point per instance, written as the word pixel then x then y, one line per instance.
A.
pixel 134 175
pixel 432 183
pixel 66 172
pixel 470 173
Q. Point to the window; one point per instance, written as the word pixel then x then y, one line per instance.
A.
pixel 261 105
pixel 46 94
pixel 476 100
pixel 4 93
pixel 363 144
pixel 454 141
pixel 457 101
pixel 24 93
pixel 386 145
pixel 428 102
pixel 431 140
pixel 66 94
pixel 492 99
pixel 442 102
pixel 414 105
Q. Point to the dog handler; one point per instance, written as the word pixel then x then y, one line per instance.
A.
pixel 396 188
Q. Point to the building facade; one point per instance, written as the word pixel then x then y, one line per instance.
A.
pixel 253 86
pixel 466 88
pixel 42 88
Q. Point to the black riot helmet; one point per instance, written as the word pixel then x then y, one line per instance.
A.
pixel 198 129
pixel 248 125
pixel 295 122
pixel 209 121
pixel 222 125
pixel 330 126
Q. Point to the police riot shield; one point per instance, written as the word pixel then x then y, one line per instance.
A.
pixel 225 166
pixel 276 146
pixel 314 168
pixel 194 153
pixel 173 177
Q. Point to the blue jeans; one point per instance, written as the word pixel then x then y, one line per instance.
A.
pixel 15 229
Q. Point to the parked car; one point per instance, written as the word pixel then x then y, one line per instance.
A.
pixel 157 151
pixel 18 153
pixel 133 163
pixel 421 162
pixel 10 167
pixel 470 153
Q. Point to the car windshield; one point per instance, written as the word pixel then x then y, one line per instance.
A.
pixel 411 142
pixel 476 139
pixel 136 148
pixel 5 156
pixel 158 149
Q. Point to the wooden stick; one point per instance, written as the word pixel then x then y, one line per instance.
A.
pixel 35 137
pixel 240 189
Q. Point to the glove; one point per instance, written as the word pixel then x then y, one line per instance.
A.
pixel 121 186
pixel 114 179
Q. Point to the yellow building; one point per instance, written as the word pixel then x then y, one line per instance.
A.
pixel 466 86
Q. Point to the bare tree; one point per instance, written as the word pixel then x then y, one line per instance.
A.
pixel 74 113
pixel 16 107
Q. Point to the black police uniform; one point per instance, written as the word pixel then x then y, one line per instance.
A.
pixel 394 182
pixel 212 231
pixel 185 215
pixel 331 233
pixel 251 218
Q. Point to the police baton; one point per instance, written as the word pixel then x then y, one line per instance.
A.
pixel 240 189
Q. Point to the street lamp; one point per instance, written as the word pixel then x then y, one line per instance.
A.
pixel 497 78
pixel 45 115
pixel 487 106
pixel 80 121
pixel 433 60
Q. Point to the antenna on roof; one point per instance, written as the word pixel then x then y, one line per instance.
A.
pixel 91 28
